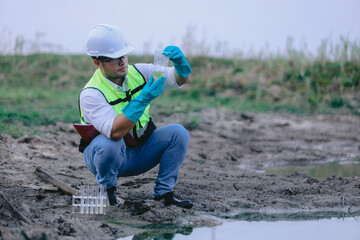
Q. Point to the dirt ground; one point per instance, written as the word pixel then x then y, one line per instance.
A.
pixel 213 176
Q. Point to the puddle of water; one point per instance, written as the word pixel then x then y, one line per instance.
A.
pixel 321 229
pixel 320 171
pixel 346 167
pixel 329 229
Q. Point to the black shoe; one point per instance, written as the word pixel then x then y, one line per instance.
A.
pixel 169 199
pixel 111 192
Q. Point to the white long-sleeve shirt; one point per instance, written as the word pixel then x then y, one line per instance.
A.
pixel 100 114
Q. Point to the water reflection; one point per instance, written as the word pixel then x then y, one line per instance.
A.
pixel 329 229
pixel 163 234
pixel 320 171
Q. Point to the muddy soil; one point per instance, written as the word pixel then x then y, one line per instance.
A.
pixel 214 176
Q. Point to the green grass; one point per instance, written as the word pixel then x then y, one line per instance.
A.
pixel 183 101
pixel 22 109
pixel 41 89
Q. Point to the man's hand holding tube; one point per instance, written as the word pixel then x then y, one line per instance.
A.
pixel 181 65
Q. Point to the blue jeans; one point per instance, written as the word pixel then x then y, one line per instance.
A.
pixel 167 146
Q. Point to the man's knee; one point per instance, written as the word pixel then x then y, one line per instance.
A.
pixel 181 134
pixel 106 149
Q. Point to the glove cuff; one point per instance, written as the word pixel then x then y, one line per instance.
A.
pixel 183 71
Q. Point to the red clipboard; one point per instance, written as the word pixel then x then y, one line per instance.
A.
pixel 88 132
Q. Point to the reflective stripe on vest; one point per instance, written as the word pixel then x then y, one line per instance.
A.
pixel 118 100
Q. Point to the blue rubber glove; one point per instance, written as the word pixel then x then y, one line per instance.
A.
pixel 181 65
pixel 136 107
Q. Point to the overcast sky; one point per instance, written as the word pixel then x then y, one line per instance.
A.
pixel 229 24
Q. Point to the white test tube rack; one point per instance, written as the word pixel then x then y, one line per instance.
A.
pixel 93 200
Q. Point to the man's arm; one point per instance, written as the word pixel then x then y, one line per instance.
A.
pixel 181 80
pixel 132 112
pixel 121 126
pixel 99 113
pixel 182 67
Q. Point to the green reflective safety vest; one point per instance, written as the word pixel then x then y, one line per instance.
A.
pixel 118 100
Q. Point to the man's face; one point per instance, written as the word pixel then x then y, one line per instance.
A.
pixel 114 68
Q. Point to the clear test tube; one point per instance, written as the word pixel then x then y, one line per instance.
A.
pixel 101 200
pixel 82 195
pixel 86 199
pixel 106 202
pixel 96 195
pixel 92 201
pixel 89 197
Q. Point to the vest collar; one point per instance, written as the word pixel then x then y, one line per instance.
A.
pixel 118 88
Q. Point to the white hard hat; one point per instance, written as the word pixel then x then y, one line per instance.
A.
pixel 106 40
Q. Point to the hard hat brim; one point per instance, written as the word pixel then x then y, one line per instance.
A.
pixel 117 54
